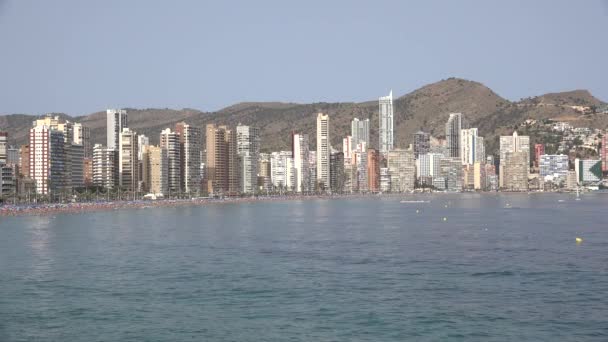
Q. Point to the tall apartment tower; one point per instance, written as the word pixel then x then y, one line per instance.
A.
pixel 222 162
pixel 452 134
pixel 515 156
pixel 468 146
pixel 82 136
pixel 300 157
pixel 359 131
pixel 373 170
pixel 47 159
pixel 3 147
pixel 248 150
pixel 105 171
pixel 156 166
pixel 422 143
pixel 190 156
pixel 386 123
pixel 116 120
pixel 128 165
pixel 323 151
pixel 169 140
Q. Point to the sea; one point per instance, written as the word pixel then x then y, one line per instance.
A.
pixel 459 267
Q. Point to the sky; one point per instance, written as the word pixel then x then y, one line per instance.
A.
pixel 79 57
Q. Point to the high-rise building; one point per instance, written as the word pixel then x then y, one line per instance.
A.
pixel 82 136
pixel 282 169
pixel 336 167
pixel 47 159
pixel 264 172
pixel 76 160
pixel 360 131
pixel 12 155
pixel 3 147
pixel 604 151
pixel 24 161
pixel 312 163
pixel 479 175
pixel 170 141
pixel 8 179
pixel 66 127
pixel 128 166
pixel 142 142
pixel 248 149
pixel 514 170
pixel 105 170
pixel 428 167
pixel 360 163
pixel 422 143
pixel 452 134
pixel 347 148
pixel 323 151
pixel 87 171
pixel 513 143
pixel 553 166
pixel 156 169
pixel 468 146
pixel 451 174
pixel 373 170
pixel 386 123
pixel 402 169
pixel 539 150
pixel 300 157
pixel 588 171
pixel 116 120
pixel 190 154
pixel 222 161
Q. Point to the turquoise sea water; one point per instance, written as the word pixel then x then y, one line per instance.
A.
pixel 498 268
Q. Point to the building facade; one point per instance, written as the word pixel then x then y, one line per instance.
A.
pixel 116 120
pixel 323 152
pixel 385 132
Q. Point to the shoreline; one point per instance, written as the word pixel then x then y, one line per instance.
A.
pixel 82 207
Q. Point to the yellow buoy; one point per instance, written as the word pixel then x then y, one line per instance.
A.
pixel 579 240
pixel 445 218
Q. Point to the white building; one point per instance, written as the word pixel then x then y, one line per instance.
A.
pixel 104 167
pixel 323 151
pixel 82 136
pixel 300 157
pixel 116 120
pixel 359 131
pixel 3 147
pixel 468 146
pixel 169 140
pixel 282 170
pixel 428 165
pixel 47 159
pixel 386 123
pixel 248 150
pixel 588 170
pixel 190 157
pixel 554 166
pixel 128 165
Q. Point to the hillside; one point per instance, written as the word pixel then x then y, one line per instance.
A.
pixel 426 108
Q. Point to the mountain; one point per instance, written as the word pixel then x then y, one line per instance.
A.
pixel 426 108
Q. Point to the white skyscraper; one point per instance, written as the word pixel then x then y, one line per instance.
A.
pixel 248 149
pixel 300 157
pixel 452 134
pixel 116 121
pixel 386 123
pixel 360 131
pixel 323 150
pixel 468 146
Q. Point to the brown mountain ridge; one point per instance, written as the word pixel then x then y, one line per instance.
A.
pixel 426 108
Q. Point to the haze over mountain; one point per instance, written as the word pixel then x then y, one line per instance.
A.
pixel 426 108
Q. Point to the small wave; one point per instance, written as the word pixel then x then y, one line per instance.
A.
pixel 493 274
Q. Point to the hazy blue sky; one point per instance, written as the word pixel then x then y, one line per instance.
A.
pixel 79 56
